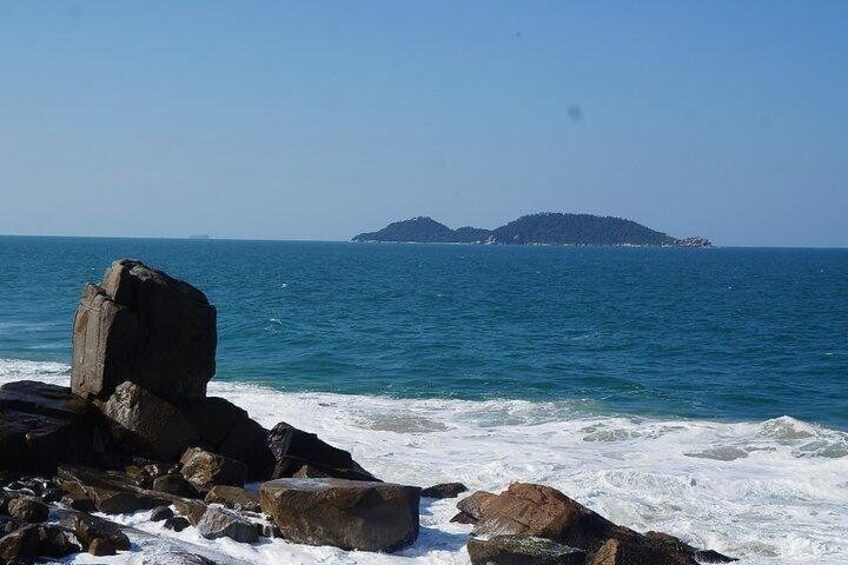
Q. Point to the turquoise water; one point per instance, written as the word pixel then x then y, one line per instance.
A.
pixel 728 334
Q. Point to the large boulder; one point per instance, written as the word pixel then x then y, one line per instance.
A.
pixel 151 425
pixel 33 541
pixel 226 429
pixel 204 469
pixel 363 515
pixel 522 550
pixel 294 449
pixel 142 325
pixel 43 425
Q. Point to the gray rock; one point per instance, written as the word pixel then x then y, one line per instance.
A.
pixel 145 326
pixel 364 515
pixel 176 558
pixel 205 469
pixel 218 522
pixel 522 550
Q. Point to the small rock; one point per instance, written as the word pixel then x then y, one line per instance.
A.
pixel 80 503
pixel 176 485
pixel 177 523
pixel 204 469
pixel 101 547
pixel 444 490
pixel 161 513
pixel 522 550
pixel 218 522
pixel 191 509
pixel 233 497
pixel 28 510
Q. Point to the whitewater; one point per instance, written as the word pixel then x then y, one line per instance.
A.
pixel 769 492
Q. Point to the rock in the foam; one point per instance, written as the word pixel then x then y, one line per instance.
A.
pixel 142 325
pixel 522 550
pixel 205 469
pixel 218 522
pixel 363 515
pixel 294 449
pixel 444 490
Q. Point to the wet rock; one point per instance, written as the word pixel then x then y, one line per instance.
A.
pixel 205 470
pixel 233 497
pixel 151 425
pixel 161 513
pixel 33 541
pixel 88 528
pixel 444 490
pixel 80 503
pixel 176 485
pixel 177 523
pixel 102 547
pixel 218 522
pixel 193 510
pixel 28 509
pixel 463 518
pixel 145 326
pixel 662 539
pixel 293 448
pixel 111 493
pixel 364 515
pixel 43 425
pixel 637 552
pixel 176 558
pixel 470 507
pixel 522 550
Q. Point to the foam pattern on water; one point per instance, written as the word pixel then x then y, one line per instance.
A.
pixel 773 492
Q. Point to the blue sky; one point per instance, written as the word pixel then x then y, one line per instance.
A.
pixel 319 120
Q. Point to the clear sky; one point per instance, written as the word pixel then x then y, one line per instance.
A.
pixel 319 120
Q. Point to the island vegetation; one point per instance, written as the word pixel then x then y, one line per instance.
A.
pixel 535 229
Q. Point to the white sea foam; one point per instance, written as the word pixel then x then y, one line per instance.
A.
pixel 773 492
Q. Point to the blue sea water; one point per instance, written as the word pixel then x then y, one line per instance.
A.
pixel 723 334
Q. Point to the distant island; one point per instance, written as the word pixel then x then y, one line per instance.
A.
pixel 549 228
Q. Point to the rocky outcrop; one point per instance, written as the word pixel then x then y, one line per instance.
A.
pixel 294 449
pixel 522 550
pixel 205 469
pixel 34 541
pixel 543 512
pixel 144 326
pixel 43 425
pixel 361 515
pixel 111 493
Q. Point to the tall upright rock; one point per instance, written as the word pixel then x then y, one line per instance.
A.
pixel 143 326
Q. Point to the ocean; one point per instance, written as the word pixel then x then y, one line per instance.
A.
pixel 701 392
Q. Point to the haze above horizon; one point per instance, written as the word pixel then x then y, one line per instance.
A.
pixel 278 120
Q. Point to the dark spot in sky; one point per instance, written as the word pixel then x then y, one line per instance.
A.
pixel 519 34
pixel 575 112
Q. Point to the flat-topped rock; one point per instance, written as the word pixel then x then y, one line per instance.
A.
pixel 147 327
pixel 361 515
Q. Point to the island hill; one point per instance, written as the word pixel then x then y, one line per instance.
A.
pixel 535 229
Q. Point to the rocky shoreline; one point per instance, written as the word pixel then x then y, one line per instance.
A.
pixel 136 431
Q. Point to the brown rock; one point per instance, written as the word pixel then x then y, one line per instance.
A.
pixel 192 510
pixel 28 509
pixel 361 515
pixel 205 470
pixel 111 492
pixel 35 540
pixel 177 485
pixel 89 528
pixel 522 550
pixel 145 326
pixel 150 424
pixel 637 552
pixel 233 497
pixel 293 448
pixel 101 547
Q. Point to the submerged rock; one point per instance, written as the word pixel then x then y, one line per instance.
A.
pixel 522 550
pixel 363 515
pixel 144 326
pixel 444 490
